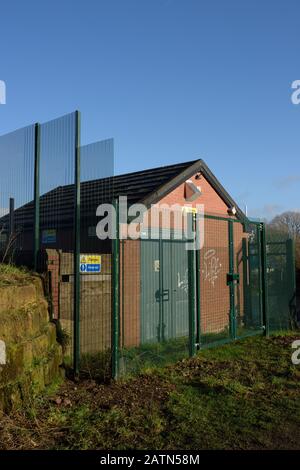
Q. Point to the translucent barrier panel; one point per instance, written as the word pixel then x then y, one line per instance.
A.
pixel 97 160
pixel 97 169
pixel 96 175
pixel 58 146
pixel 17 154
pixel 57 175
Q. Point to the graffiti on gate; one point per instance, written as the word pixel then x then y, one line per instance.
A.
pixel 183 282
pixel 251 236
pixel 212 266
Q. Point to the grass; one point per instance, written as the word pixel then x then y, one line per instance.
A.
pixel 243 395
pixel 153 355
pixel 150 355
pixel 13 275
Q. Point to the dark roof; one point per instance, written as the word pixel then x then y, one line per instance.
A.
pixel 147 186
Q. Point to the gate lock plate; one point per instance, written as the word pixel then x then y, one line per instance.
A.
pixel 166 295
pixel 231 277
pixel 163 295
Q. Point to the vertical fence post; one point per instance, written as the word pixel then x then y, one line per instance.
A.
pixel 160 328
pixel 76 257
pixel 11 228
pixel 115 297
pixel 192 298
pixel 260 276
pixel 121 291
pixel 198 286
pixel 231 281
pixel 291 279
pixel 36 242
pixel 246 280
pixel 264 280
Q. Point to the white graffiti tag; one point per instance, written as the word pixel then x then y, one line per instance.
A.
pixel 183 283
pixel 212 266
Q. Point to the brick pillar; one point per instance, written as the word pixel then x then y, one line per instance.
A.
pixel 53 263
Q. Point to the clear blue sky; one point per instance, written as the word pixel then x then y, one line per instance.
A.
pixel 170 80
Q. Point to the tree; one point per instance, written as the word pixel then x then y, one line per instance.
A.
pixel 287 225
pixel 298 255
pixel 288 222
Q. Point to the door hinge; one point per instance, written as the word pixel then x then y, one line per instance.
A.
pixel 231 277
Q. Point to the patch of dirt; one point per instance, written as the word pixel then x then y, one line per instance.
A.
pixel 127 395
pixel 20 430
pixel 285 341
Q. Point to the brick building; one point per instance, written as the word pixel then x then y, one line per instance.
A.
pixel 188 183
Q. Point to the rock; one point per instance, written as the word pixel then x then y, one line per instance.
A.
pixel 33 356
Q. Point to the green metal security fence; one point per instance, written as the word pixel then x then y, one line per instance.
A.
pixel 172 301
pixel 49 196
pixel 130 303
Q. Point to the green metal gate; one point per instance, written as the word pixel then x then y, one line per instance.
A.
pixel 175 301
pixel 281 284
pixel 252 319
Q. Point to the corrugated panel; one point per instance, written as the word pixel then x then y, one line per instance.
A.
pixel 164 290
pixel 180 288
pixel 150 319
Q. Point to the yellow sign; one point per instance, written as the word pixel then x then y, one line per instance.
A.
pixel 90 264
pixel 189 210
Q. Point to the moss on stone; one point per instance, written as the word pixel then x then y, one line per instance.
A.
pixel 33 355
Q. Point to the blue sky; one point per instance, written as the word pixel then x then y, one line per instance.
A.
pixel 170 80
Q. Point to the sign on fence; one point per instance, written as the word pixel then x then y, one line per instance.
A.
pixel 49 236
pixel 90 264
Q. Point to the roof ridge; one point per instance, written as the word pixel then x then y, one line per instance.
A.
pixel 138 172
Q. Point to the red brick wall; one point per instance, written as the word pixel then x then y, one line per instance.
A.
pixel 130 280
pixel 214 266
pixel 213 204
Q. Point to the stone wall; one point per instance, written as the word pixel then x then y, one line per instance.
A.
pixel 30 356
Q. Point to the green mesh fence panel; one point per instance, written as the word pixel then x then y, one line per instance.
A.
pixel 156 279
pixel 97 169
pixel 214 290
pixel 281 281
pixel 249 292
pixel 58 145
pixel 154 288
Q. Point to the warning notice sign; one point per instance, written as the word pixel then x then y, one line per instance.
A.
pixel 90 264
